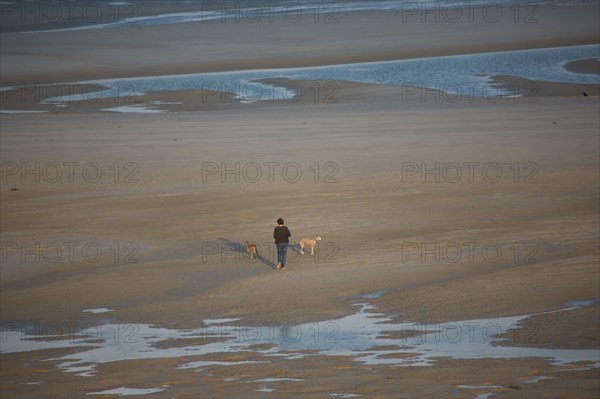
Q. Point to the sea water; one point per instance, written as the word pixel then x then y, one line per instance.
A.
pixel 363 336
pixel 129 13
pixel 459 75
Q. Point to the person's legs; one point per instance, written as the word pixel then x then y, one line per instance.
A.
pixel 283 254
pixel 279 255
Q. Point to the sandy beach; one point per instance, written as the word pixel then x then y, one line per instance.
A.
pixel 436 213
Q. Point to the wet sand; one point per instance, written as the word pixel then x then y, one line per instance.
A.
pixel 188 234
pixel 584 66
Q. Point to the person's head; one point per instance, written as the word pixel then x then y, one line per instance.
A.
pixel 280 221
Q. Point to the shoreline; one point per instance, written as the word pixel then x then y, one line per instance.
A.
pixel 241 88
pixel 311 92
pixel 144 51
pixel 140 13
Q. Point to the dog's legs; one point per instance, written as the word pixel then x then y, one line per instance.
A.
pixel 312 250
pixel 301 249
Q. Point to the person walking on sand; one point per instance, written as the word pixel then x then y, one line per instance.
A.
pixel 282 238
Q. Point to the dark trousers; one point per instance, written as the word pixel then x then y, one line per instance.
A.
pixel 281 252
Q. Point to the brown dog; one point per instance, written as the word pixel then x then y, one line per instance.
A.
pixel 251 249
pixel 309 243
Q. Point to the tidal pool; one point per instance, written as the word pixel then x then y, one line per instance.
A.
pixel 367 336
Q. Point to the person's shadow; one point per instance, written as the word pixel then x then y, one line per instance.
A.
pixel 240 248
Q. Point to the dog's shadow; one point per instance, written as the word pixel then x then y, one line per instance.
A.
pixel 240 248
pixel 295 248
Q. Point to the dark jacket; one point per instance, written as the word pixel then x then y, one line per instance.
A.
pixel 281 235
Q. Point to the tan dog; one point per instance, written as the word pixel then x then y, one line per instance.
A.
pixel 251 249
pixel 309 243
